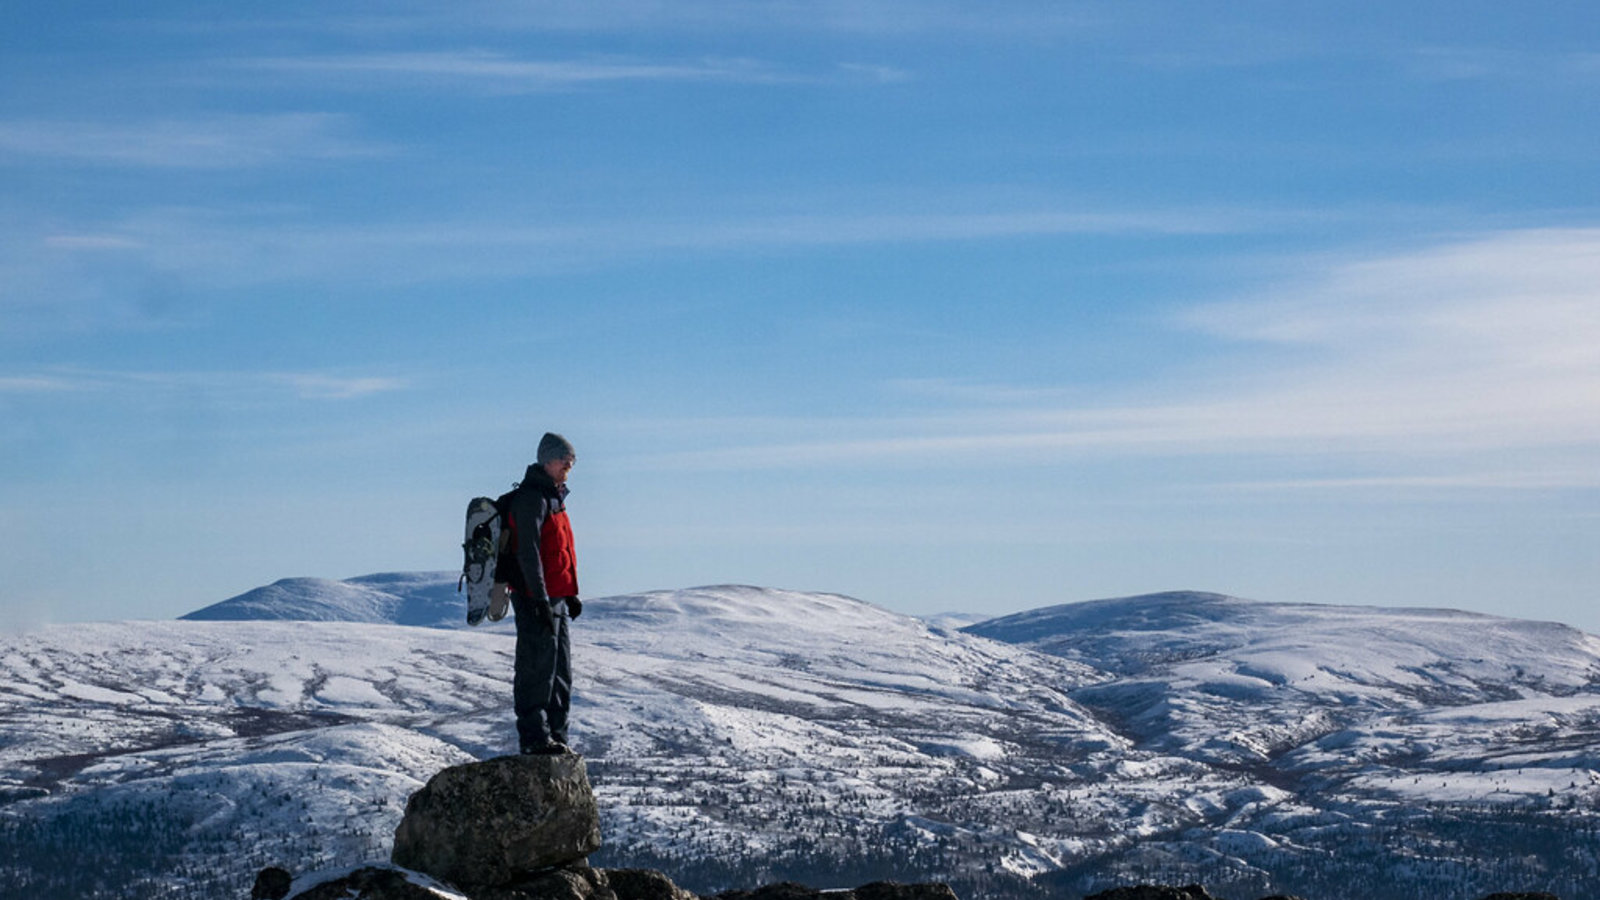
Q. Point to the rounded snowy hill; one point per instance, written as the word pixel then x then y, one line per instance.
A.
pixel 1230 679
pixel 426 599
pixel 1296 643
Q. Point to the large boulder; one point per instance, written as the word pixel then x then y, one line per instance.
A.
pixel 500 821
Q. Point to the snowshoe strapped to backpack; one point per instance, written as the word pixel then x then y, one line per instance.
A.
pixel 480 548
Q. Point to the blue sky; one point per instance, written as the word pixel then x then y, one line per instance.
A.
pixel 945 306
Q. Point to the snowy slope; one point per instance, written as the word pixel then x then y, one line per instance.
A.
pixel 1381 729
pixel 739 734
pixel 689 703
pixel 1240 681
pixel 1438 652
pixel 427 599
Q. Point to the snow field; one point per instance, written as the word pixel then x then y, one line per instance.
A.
pixel 741 724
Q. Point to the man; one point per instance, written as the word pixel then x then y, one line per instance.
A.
pixel 541 575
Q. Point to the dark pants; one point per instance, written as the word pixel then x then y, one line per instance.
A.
pixel 542 688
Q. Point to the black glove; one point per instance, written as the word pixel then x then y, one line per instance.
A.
pixel 574 607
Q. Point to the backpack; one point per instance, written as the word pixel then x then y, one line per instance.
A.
pixel 484 543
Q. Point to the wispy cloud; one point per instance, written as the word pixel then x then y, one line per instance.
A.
pixel 872 18
pixel 90 242
pixel 55 272
pixel 1434 367
pixel 1479 63
pixel 37 384
pixel 214 142
pixel 946 226
pixel 503 73
pixel 1485 343
pixel 261 386
pixel 313 386
pixel 1474 479
pixel 878 72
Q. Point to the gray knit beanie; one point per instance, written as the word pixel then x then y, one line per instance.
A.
pixel 553 447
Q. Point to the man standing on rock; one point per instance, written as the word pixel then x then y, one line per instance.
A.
pixel 541 576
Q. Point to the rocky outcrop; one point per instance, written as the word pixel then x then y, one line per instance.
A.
pixel 645 884
pixel 568 883
pixel 878 890
pixel 376 883
pixel 1153 892
pixel 498 822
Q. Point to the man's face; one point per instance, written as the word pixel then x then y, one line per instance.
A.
pixel 559 469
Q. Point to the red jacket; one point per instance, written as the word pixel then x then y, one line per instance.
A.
pixel 539 561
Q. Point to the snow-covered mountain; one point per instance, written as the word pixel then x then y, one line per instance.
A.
pixel 428 599
pixel 739 734
pixel 1242 682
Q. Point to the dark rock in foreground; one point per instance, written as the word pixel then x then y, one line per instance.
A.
pixel 389 883
pixel 272 883
pixel 645 884
pixel 878 890
pixel 569 883
pixel 374 883
pixel 1153 892
pixel 500 822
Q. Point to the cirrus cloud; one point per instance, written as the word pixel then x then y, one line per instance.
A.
pixel 1471 364
pixel 210 142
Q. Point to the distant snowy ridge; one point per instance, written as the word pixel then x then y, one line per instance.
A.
pixel 1132 635
pixel 425 599
pixel 1241 681
pixel 1250 650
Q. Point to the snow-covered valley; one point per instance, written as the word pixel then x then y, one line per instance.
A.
pixel 737 735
